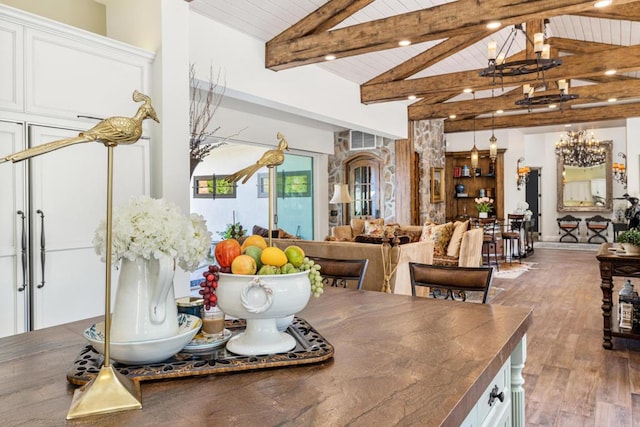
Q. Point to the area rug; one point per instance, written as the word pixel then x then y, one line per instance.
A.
pixel 477 296
pixel 513 270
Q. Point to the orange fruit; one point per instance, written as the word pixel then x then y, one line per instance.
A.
pixel 255 253
pixel 243 264
pixel 273 256
pixel 254 240
pixel 295 255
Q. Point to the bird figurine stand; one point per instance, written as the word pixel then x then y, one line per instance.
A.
pixel 270 159
pixel 109 391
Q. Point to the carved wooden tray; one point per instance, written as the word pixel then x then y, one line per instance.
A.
pixel 311 347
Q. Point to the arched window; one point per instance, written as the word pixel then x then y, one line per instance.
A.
pixel 363 171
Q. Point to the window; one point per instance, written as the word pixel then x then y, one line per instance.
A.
pixel 364 185
pixel 288 183
pixel 213 187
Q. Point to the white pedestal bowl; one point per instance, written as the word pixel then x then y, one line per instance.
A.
pixel 261 300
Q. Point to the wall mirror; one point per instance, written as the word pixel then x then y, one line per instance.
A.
pixel 586 188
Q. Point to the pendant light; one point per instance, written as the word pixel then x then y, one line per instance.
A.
pixel 474 151
pixel 493 141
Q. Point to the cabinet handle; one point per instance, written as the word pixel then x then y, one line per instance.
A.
pixel 23 253
pixel 42 246
pixel 494 394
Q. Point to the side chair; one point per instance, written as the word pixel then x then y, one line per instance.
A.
pixel 454 281
pixel 341 272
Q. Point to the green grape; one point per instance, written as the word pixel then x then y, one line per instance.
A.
pixel 315 279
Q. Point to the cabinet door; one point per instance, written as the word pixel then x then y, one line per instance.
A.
pixel 69 189
pixel 11 82
pixel 13 273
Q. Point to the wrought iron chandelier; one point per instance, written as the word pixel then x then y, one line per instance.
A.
pixel 579 151
pixel 530 100
pixel 498 67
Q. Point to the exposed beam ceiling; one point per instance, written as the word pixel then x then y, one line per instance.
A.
pixel 455 27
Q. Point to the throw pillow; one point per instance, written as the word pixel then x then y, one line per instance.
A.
pixel 357 226
pixel 453 249
pixel 373 228
pixel 440 234
pixel 342 232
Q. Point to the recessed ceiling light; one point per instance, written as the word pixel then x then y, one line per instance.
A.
pixel 499 111
pixel 553 106
pixel 404 42
pixel 411 97
pixel 612 99
pixel 330 57
pixel 602 3
pixel 452 116
pixel 567 126
pixel 467 90
pixel 493 25
pixel 609 72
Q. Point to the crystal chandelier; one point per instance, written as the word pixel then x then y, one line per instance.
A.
pixel 580 152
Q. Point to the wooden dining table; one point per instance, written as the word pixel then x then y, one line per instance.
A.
pixel 397 360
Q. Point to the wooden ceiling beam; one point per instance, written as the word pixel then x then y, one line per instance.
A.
pixel 438 22
pixel 506 102
pixel 322 19
pixel 568 115
pixel 431 56
pixel 624 59
pixel 624 12
pixel 578 46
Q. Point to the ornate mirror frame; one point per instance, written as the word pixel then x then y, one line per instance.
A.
pixel 608 206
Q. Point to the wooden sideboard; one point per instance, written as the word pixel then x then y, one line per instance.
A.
pixel 612 265
pixel 397 360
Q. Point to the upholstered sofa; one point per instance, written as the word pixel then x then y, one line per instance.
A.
pixel 374 278
pixel 455 244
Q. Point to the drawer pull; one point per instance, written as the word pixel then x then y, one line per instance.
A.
pixel 494 394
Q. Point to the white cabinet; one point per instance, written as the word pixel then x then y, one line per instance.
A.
pixel 63 197
pixel 502 402
pixel 50 74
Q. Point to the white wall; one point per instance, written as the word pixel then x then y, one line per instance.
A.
pixel 307 91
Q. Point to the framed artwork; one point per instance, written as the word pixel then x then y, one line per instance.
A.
pixel 437 185
pixel 213 187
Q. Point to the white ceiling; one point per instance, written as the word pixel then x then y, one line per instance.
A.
pixel 264 19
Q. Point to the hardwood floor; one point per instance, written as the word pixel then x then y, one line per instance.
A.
pixel 570 379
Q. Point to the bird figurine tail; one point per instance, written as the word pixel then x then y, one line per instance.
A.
pixel 44 148
pixel 245 173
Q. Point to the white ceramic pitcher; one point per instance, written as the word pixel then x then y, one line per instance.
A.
pixel 145 305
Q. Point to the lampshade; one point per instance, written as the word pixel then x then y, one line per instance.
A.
pixel 341 194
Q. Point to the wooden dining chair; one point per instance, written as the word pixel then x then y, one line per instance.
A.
pixel 448 282
pixel 342 272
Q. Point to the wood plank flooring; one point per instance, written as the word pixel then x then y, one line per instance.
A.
pixel 570 379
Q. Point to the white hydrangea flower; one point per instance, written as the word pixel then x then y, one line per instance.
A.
pixel 150 227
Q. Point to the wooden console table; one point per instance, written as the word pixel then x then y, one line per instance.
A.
pixel 612 265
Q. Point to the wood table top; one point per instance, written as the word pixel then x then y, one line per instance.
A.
pixel 398 359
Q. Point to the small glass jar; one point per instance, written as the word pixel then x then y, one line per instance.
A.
pixel 212 321
pixel 190 305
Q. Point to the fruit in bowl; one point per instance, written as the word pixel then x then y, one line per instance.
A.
pixel 267 297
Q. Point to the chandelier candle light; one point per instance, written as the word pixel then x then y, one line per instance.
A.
pixel 522 176
pixel 620 170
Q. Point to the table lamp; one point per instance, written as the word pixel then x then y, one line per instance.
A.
pixel 340 195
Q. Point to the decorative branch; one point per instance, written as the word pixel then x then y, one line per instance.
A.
pixel 204 105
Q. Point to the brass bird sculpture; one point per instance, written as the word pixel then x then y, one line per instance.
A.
pixel 110 131
pixel 269 159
